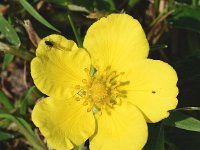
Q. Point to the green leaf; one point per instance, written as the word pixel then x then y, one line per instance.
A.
pixel 17 52
pixel 59 2
pixel 93 70
pixel 26 126
pixel 8 58
pixel 4 123
pixel 183 10
pixel 5 101
pixel 195 2
pixel 156 137
pixel 131 3
pixel 5 136
pixel 77 35
pixel 77 8
pixel 157 47
pixel 81 147
pixel 111 4
pixel 36 15
pixel 156 4
pixel 170 145
pixel 182 121
pixel 9 32
pixel 105 5
pixel 186 17
pixel 160 139
pixel 25 99
pixel 188 108
pixel 88 4
pixel 24 129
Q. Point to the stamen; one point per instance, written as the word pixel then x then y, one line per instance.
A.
pixel 122 95
pixel 82 93
pixel 108 68
pixel 100 90
pixel 116 85
pixel 118 76
pixel 111 75
pixel 122 91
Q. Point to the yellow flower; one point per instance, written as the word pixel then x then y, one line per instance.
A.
pixel 109 103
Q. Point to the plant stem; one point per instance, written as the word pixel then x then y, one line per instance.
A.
pixel 17 52
pixel 77 36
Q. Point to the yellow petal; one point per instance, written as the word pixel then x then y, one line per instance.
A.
pixel 153 88
pixel 56 71
pixel 116 40
pixel 63 122
pixel 124 128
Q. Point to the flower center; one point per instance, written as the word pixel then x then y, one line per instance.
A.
pixel 98 91
pixel 102 90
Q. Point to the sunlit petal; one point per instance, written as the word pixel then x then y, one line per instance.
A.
pixel 123 128
pixel 63 122
pixel 153 88
pixel 116 41
pixel 56 71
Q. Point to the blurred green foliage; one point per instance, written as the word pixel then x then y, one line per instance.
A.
pixel 172 28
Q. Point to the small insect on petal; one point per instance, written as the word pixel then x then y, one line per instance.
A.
pixel 49 43
pixel 52 44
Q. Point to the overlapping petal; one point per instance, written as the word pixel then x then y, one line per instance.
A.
pixel 116 41
pixel 152 88
pixel 58 69
pixel 63 122
pixel 122 128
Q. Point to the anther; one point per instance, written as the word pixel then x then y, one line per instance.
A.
pixel 108 68
pixel 120 75
pixel 84 81
pixel 86 70
pixel 77 87
pixel 77 99
pixel 104 72
pixel 89 109
pixel 85 103
pixel 118 100
pixel 97 67
pixel 100 113
pixel 103 106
